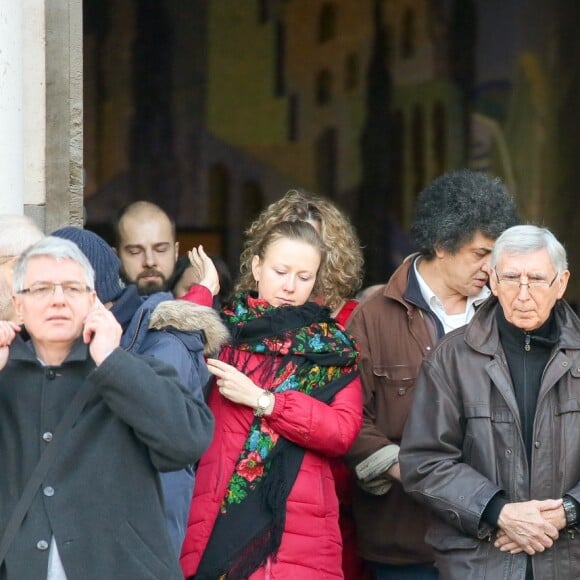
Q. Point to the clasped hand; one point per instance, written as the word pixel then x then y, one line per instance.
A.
pixel 530 526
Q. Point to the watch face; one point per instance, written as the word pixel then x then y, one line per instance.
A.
pixel 263 401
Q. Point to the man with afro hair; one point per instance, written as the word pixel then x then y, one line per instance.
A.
pixel 458 218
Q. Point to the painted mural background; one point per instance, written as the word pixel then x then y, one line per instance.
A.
pixel 214 108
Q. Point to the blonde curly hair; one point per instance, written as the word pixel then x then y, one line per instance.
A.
pixel 340 274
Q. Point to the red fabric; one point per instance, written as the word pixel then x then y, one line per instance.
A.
pixel 353 566
pixel 311 546
pixel 199 294
pixel 345 312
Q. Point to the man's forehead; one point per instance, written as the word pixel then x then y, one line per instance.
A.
pixel 145 230
pixel 478 242
pixel 50 265
pixel 538 260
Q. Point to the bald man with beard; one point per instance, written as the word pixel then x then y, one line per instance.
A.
pixel 146 246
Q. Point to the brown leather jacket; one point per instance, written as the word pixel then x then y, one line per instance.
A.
pixel 463 444
pixel 394 335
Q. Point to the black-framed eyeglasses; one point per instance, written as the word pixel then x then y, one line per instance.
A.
pixel 514 282
pixel 45 289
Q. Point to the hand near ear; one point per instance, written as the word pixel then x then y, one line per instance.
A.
pixel 8 331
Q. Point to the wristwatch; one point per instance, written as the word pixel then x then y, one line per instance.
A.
pixel 570 511
pixel 263 403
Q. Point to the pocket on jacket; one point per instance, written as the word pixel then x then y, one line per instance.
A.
pixel 137 550
pixel 395 386
pixel 444 538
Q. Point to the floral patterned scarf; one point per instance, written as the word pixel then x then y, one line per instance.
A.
pixel 305 350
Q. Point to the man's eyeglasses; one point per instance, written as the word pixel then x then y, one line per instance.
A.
pixel 46 289
pixel 513 282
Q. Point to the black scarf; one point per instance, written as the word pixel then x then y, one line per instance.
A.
pixel 308 352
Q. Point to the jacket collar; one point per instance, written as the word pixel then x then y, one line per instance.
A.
pixel 483 336
pixel 23 351
pixel 126 305
pixel 404 287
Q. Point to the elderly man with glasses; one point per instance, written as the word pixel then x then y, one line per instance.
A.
pixel 492 445
pixel 85 427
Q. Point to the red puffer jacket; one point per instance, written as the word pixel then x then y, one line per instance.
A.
pixel 311 544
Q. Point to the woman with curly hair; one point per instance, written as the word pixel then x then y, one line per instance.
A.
pixel 286 397
pixel 342 270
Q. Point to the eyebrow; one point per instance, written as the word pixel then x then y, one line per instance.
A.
pixel 61 282
pixel 141 246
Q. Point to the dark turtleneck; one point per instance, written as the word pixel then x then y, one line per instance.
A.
pixel 527 355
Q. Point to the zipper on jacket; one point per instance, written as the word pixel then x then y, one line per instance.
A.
pixel 136 334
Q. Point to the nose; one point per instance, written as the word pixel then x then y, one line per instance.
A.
pixel 289 284
pixel 485 265
pixel 524 291
pixel 149 257
pixel 58 294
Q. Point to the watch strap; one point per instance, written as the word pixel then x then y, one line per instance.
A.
pixel 570 510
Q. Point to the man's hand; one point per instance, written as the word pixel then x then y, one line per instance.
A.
pixel 523 527
pixel 203 264
pixel 102 331
pixel 8 331
pixel 233 384
pixel 555 516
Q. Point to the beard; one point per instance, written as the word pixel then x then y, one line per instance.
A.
pixel 146 287
pixel 149 287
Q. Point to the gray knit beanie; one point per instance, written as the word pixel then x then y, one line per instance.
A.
pixel 103 259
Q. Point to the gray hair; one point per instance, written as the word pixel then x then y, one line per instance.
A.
pixel 17 232
pixel 58 249
pixel 526 239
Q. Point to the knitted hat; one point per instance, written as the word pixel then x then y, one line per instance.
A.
pixel 103 259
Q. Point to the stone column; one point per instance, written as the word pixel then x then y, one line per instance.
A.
pixel 11 110
pixel 41 110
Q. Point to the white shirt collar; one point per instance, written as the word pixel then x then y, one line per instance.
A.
pixel 450 321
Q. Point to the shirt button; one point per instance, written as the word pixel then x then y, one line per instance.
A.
pixel 508 452
pixel 50 374
pixel 42 545
pixel 48 491
pixel 47 436
pixel 402 391
pixel 537 444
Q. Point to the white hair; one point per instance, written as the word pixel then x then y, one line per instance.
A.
pixel 526 239
pixel 57 248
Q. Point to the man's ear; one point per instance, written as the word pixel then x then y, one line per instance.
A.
pixel 17 302
pixel 176 250
pixel 492 282
pixel 564 277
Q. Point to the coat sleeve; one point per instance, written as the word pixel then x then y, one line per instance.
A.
pixel 146 394
pixel 189 363
pixel 431 454
pixel 327 429
pixel 370 439
pixel 199 294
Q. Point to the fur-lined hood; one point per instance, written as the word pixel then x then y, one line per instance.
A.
pixel 188 317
